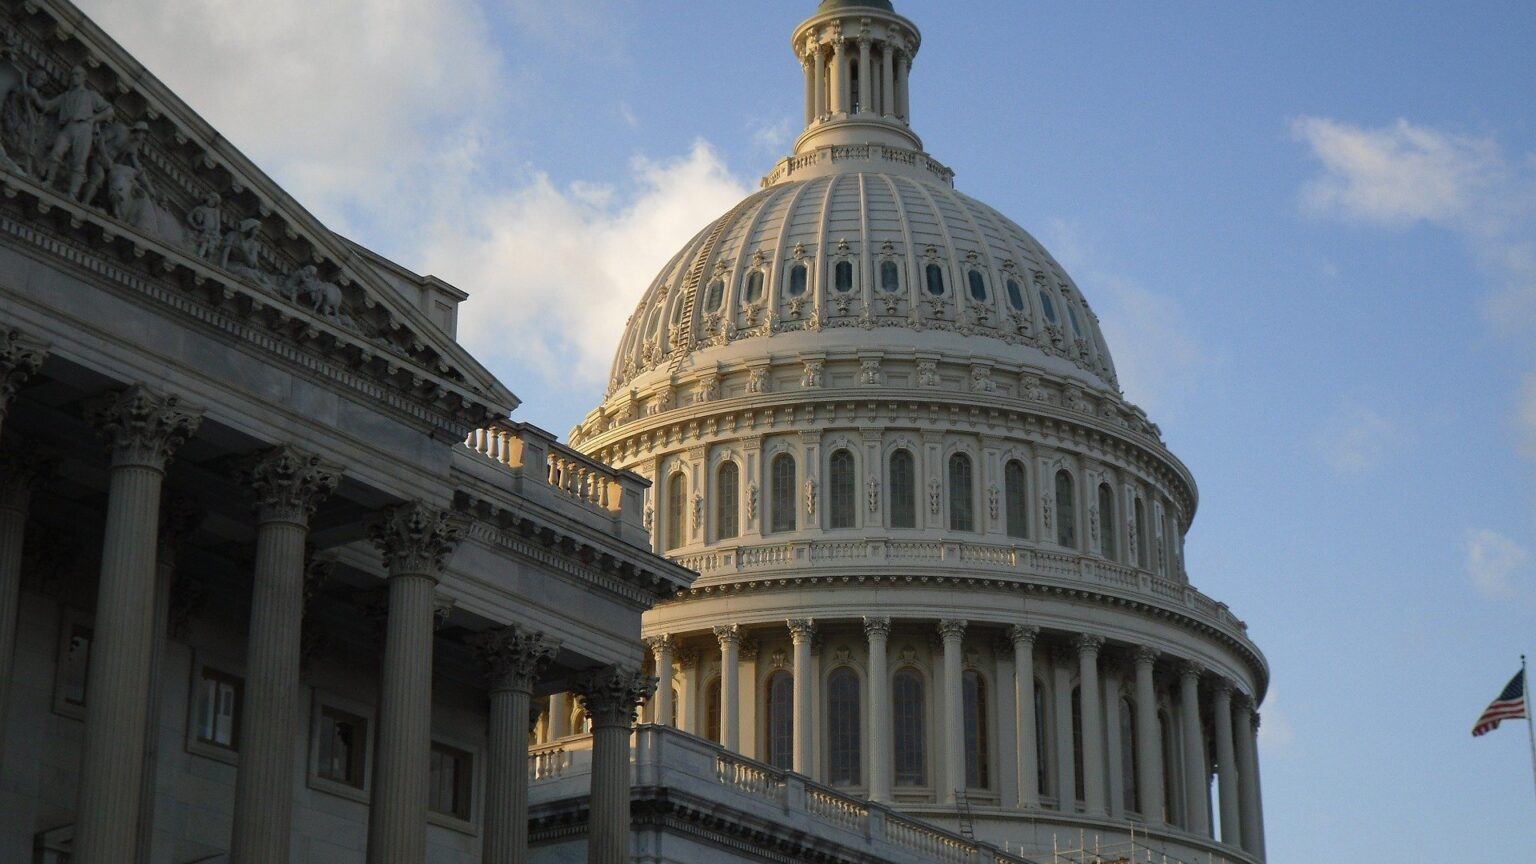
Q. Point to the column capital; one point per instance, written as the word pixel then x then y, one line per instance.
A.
pixel 1254 713
pixel 143 427
pixel 1222 687
pixel 874 627
pixel 952 628
pixel 20 358
pixel 659 643
pixel 1190 669
pixel 22 469
pixel 1145 655
pixel 728 634
pixel 686 658
pixel 611 695
pixel 514 656
pixel 288 483
pixel 1023 634
pixel 1088 643
pixel 415 540
pixel 801 628
pixel 749 649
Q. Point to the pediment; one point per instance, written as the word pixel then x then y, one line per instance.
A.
pixel 162 194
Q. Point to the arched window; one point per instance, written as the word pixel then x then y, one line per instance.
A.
pixel 903 490
pixel 890 277
pixel 796 280
pixel 727 488
pixel 1066 510
pixel 1077 743
pixel 907 702
pixel 1107 520
pixel 1132 792
pixel 677 495
pixel 781 493
pixel 935 275
pixel 978 285
pixel 842 276
pixel 715 296
pixel 962 515
pixel 840 489
pixel 1072 317
pixel 1016 497
pixel 1142 539
pixel 1048 306
pixel 843 729
pixel 975 697
pixel 1015 296
pixel 712 710
pixel 779 698
pixel 754 292
pixel 1042 735
pixel 1171 813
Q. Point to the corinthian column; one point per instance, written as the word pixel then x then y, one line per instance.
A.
pixel 1149 750
pixel 662 648
pixel 801 631
pixel 610 697
pixel 1196 790
pixel 144 429
pixel 1226 763
pixel 20 359
pixel 730 674
pixel 19 472
pixel 952 633
pixel 879 631
pixel 866 78
pixel 1093 723
pixel 514 658
pixel 1023 639
pixel 288 484
pixel 415 541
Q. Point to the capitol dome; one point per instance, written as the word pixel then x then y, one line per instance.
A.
pixel 941 556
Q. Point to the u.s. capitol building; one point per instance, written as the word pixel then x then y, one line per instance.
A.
pixel 864 529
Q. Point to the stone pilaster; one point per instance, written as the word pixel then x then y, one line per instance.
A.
pixel 662 648
pixel 415 541
pixel 20 358
pixel 144 429
pixel 878 631
pixel 801 633
pixel 953 632
pixel 1196 790
pixel 20 471
pixel 610 697
pixel 514 657
pixel 287 485
pixel 1023 638
pixel 1090 692
pixel 1226 763
pixel 1149 750
pixel 729 636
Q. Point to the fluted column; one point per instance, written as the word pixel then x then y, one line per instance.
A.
pixel 1226 763
pixel 514 658
pixel 610 697
pixel 1256 835
pixel 866 79
pixel 1247 758
pixel 19 472
pixel 1149 746
pixel 288 484
pixel 878 631
pixel 145 428
pixel 730 677
pixel 20 358
pixel 801 631
pixel 819 72
pixel 1066 767
pixel 887 81
pixel 1023 638
pixel 953 633
pixel 415 541
pixel 810 89
pixel 1093 722
pixel 839 76
pixel 661 648
pixel 903 73
pixel 559 715
pixel 1196 790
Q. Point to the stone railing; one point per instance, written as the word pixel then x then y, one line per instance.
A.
pixel 548 761
pixel 540 465
pixel 737 564
pixel 874 153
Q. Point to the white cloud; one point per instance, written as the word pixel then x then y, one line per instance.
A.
pixel 1276 734
pixel 1494 563
pixel 1355 439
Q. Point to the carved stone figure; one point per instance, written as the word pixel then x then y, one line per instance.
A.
pixel 927 373
pixel 242 255
pixel 869 372
pixel 757 380
pixel 873 489
pixel 935 496
pixel 77 110
pixel 812 376
pixel 21 127
pixel 206 224
pixel 1033 390
pixel 810 496
pixel 981 380
pixel 751 502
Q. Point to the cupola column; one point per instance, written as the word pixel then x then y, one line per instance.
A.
pixel 839 76
pixel 866 78
pixel 1088 647
pixel 1247 774
pixel 807 63
pixel 1149 753
pixel 903 72
pixel 801 632
pixel 953 632
pixel 819 82
pixel 729 636
pixel 1196 788
pixel 879 631
pixel 1226 764
pixel 887 81
pixel 662 648
pixel 1024 687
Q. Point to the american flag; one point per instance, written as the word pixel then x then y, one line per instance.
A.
pixel 1509 706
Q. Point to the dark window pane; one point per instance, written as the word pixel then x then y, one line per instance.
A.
pixel 754 286
pixel 890 277
pixel 843 729
pixel 1015 296
pixel 782 493
pixel 797 280
pixel 780 711
pixel 715 297
pixel 1048 306
pixel 903 490
pixel 840 489
pixel 677 493
pixel 1107 520
pixel 1066 510
pixel 1016 497
pixel 961 507
pixel 842 277
pixel 975 697
pixel 726 490
pixel 935 275
pixel 978 285
pixel 907 702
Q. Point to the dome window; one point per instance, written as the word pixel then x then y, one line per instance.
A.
pixel 961 513
pixel 727 484
pixel 1048 306
pixel 890 277
pixel 677 491
pixel 843 726
pixel 903 490
pixel 1107 521
pixel 907 704
pixel 781 496
pixel 1066 510
pixel 841 489
pixel 842 277
pixel 1015 296
pixel 796 280
pixel 1072 316
pixel 935 275
pixel 1016 491
pixel 978 286
pixel 715 296
pixel 754 287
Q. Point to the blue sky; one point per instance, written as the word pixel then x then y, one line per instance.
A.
pixel 1309 228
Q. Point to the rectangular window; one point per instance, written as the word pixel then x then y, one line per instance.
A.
pixel 217 716
pixel 341 746
pixel 448 781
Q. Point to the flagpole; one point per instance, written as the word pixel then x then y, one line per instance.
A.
pixel 1530 723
